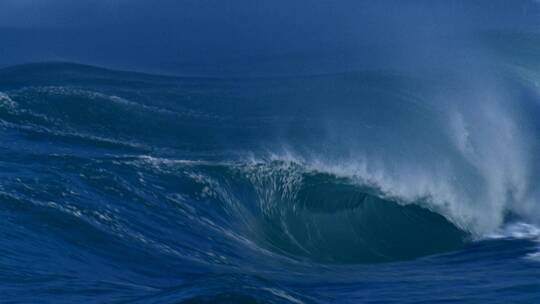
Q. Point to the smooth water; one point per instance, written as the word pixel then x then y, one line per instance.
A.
pixel 365 187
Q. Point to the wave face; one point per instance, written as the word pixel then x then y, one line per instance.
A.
pixel 131 187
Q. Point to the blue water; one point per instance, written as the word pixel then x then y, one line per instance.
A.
pixel 363 187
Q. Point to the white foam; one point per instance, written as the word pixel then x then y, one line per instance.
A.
pixel 534 256
pixel 517 231
pixel 7 102
pixel 520 231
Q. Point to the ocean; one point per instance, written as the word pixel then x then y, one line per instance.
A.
pixel 379 186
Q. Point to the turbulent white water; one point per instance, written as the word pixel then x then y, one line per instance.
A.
pixel 476 164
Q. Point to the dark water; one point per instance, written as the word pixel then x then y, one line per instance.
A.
pixel 372 187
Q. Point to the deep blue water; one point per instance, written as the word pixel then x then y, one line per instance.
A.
pixel 367 187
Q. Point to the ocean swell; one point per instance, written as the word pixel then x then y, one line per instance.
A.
pixel 396 167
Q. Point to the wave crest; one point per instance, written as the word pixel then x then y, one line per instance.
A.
pixel 286 208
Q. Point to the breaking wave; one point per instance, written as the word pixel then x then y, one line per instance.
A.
pixel 388 174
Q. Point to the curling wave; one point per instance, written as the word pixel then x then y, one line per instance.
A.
pixel 384 173
pixel 288 209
